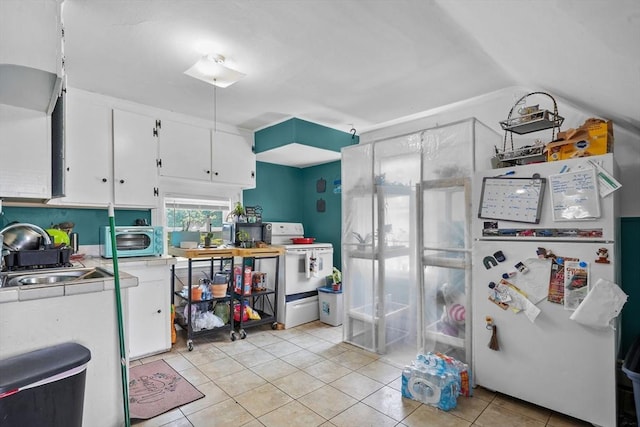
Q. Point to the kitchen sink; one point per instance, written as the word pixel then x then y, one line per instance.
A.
pixel 52 277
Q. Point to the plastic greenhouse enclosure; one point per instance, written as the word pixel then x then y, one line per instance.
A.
pixel 406 245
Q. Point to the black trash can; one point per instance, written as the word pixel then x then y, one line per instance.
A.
pixel 44 387
pixel 631 367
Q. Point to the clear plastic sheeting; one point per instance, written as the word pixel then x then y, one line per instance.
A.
pixel 406 240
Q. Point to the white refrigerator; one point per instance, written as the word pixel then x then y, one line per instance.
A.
pixel 563 242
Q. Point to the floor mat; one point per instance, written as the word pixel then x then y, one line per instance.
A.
pixel 155 388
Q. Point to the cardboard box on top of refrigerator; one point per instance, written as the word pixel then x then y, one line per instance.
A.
pixel 593 138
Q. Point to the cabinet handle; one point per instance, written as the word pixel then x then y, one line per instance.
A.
pixel 208 172
pixel 104 179
pixel 215 173
pixel 122 181
pixel 159 311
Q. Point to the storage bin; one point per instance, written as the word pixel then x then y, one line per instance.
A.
pixel 44 387
pixel 330 306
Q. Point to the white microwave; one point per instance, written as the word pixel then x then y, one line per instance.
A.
pixel 132 241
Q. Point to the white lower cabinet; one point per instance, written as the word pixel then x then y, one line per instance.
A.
pixel 149 309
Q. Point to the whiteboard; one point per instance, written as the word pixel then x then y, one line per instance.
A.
pixel 574 195
pixel 512 199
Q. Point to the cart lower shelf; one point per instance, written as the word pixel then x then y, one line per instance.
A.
pixel 264 319
pixel 181 321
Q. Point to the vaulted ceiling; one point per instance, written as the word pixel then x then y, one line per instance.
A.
pixel 355 63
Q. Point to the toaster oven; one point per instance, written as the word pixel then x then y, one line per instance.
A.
pixel 132 241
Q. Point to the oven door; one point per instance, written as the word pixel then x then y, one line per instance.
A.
pixel 303 273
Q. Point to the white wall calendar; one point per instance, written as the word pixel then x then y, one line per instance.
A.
pixel 512 199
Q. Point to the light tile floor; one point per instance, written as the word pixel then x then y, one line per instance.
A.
pixel 306 376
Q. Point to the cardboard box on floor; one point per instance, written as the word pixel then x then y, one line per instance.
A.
pixel 593 138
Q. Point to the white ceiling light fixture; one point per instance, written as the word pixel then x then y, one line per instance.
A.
pixel 211 69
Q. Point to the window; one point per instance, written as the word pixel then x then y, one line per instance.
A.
pixel 201 215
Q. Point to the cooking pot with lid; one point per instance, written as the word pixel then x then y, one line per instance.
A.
pixel 302 240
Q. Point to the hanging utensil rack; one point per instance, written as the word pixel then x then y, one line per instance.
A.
pixel 526 123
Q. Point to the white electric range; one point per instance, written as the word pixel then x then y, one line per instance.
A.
pixel 303 269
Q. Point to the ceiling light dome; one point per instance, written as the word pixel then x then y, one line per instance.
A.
pixel 211 69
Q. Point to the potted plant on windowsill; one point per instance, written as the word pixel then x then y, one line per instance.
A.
pixel 207 240
pixel 237 214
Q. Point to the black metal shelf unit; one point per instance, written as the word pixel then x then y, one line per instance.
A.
pixel 263 302
pixel 207 304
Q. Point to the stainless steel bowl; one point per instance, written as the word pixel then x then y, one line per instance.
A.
pixel 24 236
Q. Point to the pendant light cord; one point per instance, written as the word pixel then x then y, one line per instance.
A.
pixel 215 108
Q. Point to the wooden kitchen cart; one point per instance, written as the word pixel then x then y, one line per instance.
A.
pixel 263 301
pixel 214 261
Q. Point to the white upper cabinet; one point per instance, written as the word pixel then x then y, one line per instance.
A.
pixel 117 156
pixel 233 160
pixel 30 63
pixel 25 141
pixel 110 155
pixel 135 155
pixel 185 151
pixel 30 53
pixel 196 153
pixel 89 161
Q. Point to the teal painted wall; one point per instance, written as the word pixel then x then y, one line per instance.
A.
pixel 303 132
pixel 289 194
pixel 324 226
pixel 87 221
pixel 275 136
pixel 630 278
pixel 277 191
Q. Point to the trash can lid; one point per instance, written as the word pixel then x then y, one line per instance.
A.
pixel 24 369
pixel 329 290
pixel 632 361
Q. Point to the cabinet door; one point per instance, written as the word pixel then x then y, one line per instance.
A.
pixel 149 312
pixel 26 144
pixel 185 151
pixel 233 160
pixel 135 152
pixel 88 173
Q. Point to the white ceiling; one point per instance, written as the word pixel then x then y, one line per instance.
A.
pixel 355 63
